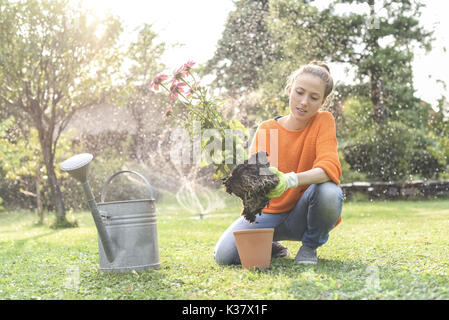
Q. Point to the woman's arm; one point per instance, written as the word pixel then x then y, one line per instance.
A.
pixel 312 176
pixel 327 149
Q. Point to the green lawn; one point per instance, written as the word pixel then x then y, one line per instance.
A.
pixel 381 250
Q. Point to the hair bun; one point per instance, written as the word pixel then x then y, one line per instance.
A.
pixel 321 64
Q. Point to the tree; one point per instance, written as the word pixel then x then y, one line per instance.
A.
pixel 244 49
pixel 386 54
pixel 54 60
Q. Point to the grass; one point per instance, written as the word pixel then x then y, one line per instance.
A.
pixel 381 250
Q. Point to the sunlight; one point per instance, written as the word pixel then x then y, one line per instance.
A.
pixel 180 24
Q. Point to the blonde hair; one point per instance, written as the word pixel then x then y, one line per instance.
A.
pixel 316 68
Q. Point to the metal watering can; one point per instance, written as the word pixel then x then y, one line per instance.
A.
pixel 127 233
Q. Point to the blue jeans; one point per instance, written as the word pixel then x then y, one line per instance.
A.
pixel 309 221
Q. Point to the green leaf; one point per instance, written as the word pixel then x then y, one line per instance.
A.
pixel 237 125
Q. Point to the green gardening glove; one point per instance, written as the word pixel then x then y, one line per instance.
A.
pixel 286 181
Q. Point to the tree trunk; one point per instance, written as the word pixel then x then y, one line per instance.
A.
pixel 56 195
pixel 377 99
pixel 39 208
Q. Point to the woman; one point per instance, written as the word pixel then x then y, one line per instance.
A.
pixel 307 202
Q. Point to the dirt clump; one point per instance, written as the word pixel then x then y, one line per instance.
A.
pixel 251 181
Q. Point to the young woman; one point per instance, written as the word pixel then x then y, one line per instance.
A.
pixel 307 202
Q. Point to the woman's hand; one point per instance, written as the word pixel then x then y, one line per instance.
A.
pixel 286 181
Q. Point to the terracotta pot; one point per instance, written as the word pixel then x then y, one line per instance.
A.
pixel 254 247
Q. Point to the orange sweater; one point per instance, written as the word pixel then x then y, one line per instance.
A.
pixel 315 146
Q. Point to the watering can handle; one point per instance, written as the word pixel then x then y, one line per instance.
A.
pixel 103 190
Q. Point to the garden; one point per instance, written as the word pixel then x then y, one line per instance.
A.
pixel 80 101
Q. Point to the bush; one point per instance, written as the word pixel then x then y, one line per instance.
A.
pixel 424 161
pixel 347 174
pixel 391 153
pixel 12 197
pixel 440 150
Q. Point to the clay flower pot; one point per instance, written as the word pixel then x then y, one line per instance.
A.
pixel 254 247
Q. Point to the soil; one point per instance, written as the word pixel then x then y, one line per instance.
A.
pixel 251 181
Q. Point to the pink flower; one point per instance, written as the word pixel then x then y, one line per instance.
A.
pixel 178 74
pixel 183 71
pixel 192 90
pixel 175 89
pixel 188 66
pixel 157 81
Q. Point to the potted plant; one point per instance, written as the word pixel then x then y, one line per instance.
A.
pixel 189 101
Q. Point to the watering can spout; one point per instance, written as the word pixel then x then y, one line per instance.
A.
pixel 77 166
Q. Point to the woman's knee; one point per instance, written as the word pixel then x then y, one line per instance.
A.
pixel 329 193
pixel 328 200
pixel 226 253
pixel 225 259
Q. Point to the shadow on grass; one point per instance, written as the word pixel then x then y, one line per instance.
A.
pixel 18 244
pixel 331 279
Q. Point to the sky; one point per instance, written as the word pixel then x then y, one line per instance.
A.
pixel 197 25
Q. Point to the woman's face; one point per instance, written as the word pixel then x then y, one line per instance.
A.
pixel 306 97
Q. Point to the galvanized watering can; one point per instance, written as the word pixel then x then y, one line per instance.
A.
pixel 127 233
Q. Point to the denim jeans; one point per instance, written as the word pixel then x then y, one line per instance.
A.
pixel 309 221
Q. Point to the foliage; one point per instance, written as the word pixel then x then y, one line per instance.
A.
pixel 244 50
pixel 128 148
pixel 254 55
pixel 21 166
pixel 391 153
pixel 439 150
pixel 394 151
pixel 18 156
pixel 145 55
pixel 21 156
pixel 55 60
pixel 201 108
pixel 349 175
pixel 22 162
pixel 439 119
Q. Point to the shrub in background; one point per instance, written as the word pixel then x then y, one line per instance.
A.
pixel 393 152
